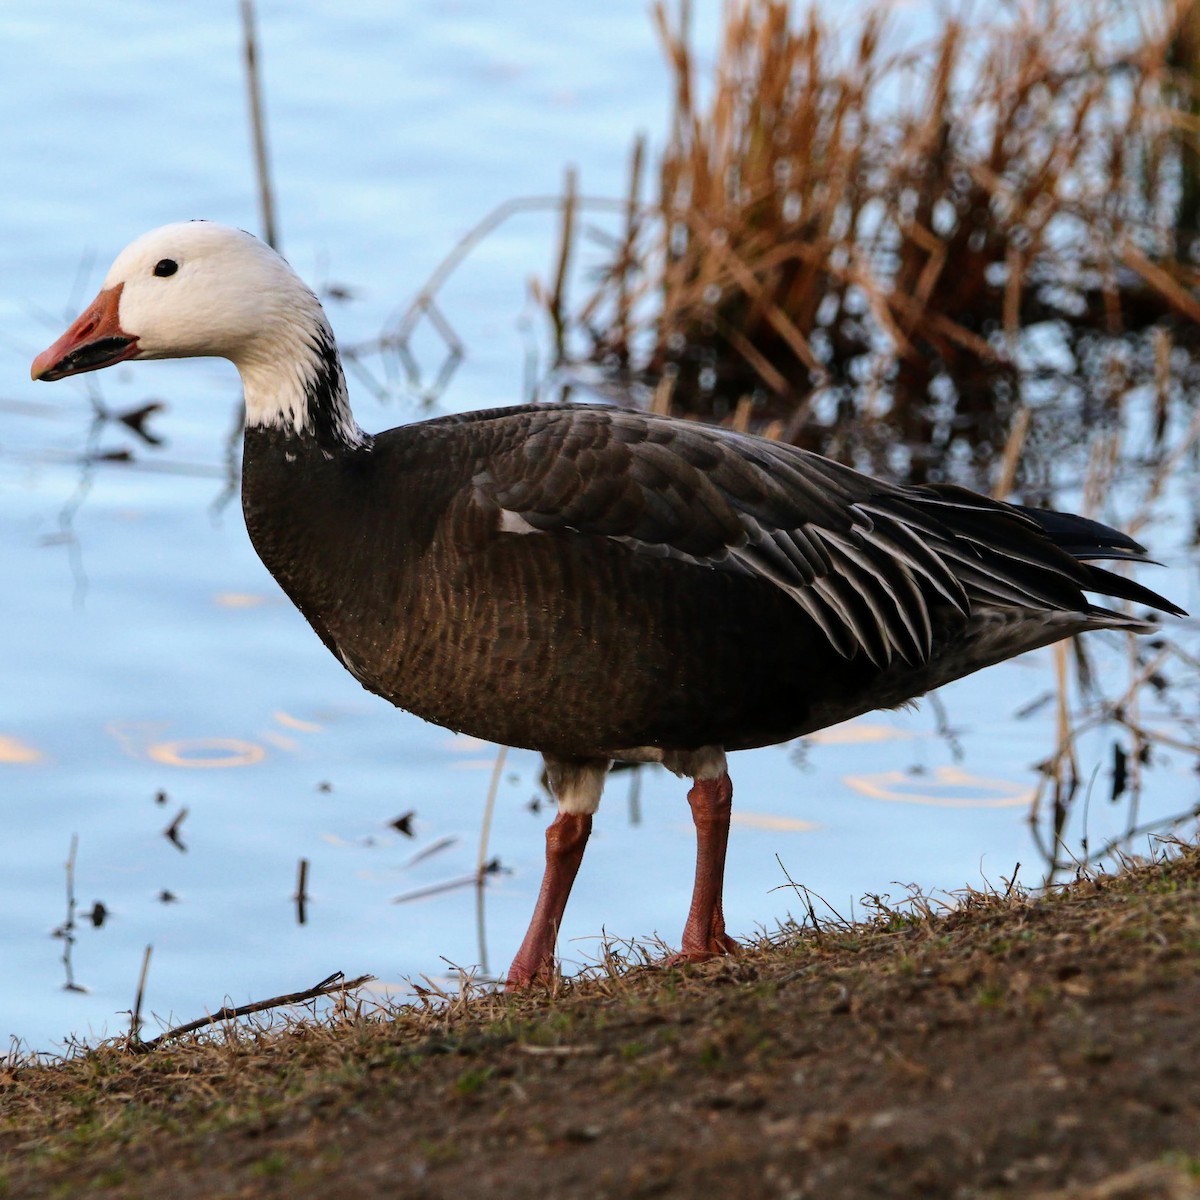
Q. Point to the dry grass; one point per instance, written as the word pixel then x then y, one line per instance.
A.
pixel 887 256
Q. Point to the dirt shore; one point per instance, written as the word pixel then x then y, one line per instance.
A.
pixel 1015 1047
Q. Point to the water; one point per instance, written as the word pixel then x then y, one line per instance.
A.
pixel 150 664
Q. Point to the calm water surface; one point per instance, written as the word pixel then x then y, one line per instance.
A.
pixel 150 665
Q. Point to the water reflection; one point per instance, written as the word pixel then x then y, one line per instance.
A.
pixel 945 787
pixel 1107 425
pixel 14 750
pixel 66 931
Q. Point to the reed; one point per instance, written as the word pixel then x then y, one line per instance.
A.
pixel 889 255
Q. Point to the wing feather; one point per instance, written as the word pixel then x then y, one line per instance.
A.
pixel 868 562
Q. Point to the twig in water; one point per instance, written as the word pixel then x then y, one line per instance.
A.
pixel 66 930
pixel 1007 477
pixel 301 896
pixel 491 867
pixel 1066 765
pixel 945 730
pixel 635 795
pixel 335 983
pixel 1028 709
pixel 135 1016
pixel 83 488
pixel 231 469
pixel 482 866
pixel 624 299
pixel 556 301
pixel 435 847
pixel 1165 471
pixel 400 326
pixel 171 833
pixel 403 824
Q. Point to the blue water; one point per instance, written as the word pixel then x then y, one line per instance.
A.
pixel 151 665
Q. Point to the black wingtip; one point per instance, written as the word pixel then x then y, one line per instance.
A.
pixel 1081 537
pixel 1108 583
pixel 1090 541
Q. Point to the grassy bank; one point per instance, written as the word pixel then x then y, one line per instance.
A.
pixel 1013 1046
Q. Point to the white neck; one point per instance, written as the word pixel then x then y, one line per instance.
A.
pixel 292 379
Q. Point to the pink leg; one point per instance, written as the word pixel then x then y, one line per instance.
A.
pixel 566 838
pixel 704 935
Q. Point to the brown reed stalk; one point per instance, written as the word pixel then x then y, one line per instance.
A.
pixel 258 126
pixel 869 243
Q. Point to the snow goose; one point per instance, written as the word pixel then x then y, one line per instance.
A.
pixel 594 583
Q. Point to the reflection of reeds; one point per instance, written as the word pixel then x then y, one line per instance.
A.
pixel 1160 670
pixel 66 930
pixel 850 248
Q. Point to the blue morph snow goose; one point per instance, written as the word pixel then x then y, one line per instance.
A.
pixel 593 583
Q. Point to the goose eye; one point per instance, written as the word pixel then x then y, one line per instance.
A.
pixel 166 266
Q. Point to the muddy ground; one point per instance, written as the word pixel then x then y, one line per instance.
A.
pixel 1015 1047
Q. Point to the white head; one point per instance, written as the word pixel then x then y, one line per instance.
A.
pixel 196 288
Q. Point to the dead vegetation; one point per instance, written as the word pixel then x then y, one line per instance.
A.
pixel 890 256
pixel 1130 698
pixel 1005 1044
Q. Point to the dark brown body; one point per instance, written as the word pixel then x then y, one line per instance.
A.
pixel 567 643
pixel 564 641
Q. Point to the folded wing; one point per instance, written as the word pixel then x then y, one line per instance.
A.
pixel 867 561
